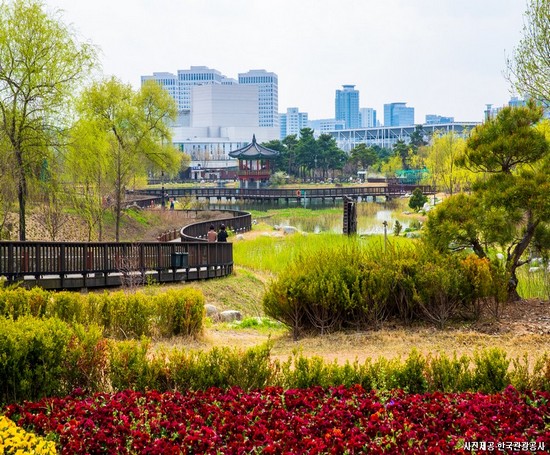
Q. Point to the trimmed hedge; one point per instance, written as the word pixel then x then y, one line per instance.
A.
pixel 121 315
pixel 43 358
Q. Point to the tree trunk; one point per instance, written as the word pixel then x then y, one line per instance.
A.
pixel 21 195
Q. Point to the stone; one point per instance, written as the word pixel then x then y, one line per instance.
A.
pixel 230 316
pixel 212 312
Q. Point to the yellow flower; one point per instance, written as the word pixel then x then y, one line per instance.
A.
pixel 15 440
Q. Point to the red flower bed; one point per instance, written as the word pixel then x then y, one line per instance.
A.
pixel 308 421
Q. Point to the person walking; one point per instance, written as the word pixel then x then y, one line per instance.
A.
pixel 211 236
pixel 222 235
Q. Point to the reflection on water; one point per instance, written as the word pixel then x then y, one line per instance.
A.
pixel 370 217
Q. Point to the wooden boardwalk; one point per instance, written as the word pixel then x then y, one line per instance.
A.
pixel 78 265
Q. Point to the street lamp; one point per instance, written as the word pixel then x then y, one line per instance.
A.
pixel 385 223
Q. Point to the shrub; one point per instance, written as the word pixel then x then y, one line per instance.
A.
pixel 120 314
pixel 32 353
pixel 490 373
pixel 86 361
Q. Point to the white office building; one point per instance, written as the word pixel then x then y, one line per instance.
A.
pixel 292 122
pixel 367 116
pixel 268 95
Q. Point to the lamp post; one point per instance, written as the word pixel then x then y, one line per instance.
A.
pixel 385 223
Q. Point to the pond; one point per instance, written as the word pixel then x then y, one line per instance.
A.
pixel 322 218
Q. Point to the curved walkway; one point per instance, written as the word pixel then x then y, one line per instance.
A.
pixel 77 265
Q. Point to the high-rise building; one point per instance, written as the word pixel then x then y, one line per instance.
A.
pixel 268 95
pixel 346 106
pixel 292 122
pixel 398 114
pixel 217 105
pixel 196 75
pixel 368 117
pixel 168 81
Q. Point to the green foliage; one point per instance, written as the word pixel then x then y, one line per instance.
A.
pixel 119 314
pixel 86 362
pixel 448 375
pixel 491 370
pixel 417 200
pixel 41 358
pixel 529 66
pixel 32 355
pixel 180 312
pixel 356 286
pixel 397 228
pixel 509 209
pixel 35 46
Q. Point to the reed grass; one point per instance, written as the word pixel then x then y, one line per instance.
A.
pixel 534 285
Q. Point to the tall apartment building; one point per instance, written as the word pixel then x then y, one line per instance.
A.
pixel 367 117
pixel 292 122
pixel 346 106
pixel 268 95
pixel 398 114
pixel 180 88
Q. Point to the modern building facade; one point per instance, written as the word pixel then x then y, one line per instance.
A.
pixel 432 119
pixel 268 95
pixel 292 122
pixel 346 106
pixel 215 106
pixel 368 117
pixel 398 114
pixel 326 125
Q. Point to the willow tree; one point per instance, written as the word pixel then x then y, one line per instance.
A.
pixel 135 125
pixel 441 161
pixel 529 67
pixel 41 65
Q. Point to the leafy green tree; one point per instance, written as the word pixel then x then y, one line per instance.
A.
pixel 290 142
pixel 363 157
pixel 417 138
pixel 136 127
pixel 401 150
pixel 88 160
pixel 510 206
pixel 330 156
pixel 417 200
pixel 529 67
pixel 441 161
pixel 280 163
pixel 306 151
pixel 41 65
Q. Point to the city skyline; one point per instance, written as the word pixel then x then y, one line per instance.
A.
pixel 439 56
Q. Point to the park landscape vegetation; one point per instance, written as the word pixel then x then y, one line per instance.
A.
pixel 126 372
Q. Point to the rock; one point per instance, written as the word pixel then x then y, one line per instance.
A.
pixel 230 316
pixel 239 237
pixel 212 312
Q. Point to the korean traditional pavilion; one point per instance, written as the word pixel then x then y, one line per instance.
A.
pixel 254 164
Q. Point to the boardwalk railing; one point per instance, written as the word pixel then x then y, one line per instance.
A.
pixel 63 265
pixel 390 190
pixel 236 221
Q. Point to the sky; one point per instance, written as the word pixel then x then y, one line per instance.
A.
pixel 443 57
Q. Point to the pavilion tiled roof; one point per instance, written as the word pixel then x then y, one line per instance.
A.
pixel 253 151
